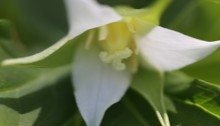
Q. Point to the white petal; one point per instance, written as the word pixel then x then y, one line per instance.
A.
pixel 97 85
pixel 170 50
pixel 87 14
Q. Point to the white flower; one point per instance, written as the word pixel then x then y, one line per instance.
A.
pixel 100 74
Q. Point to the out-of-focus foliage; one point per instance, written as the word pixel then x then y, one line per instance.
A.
pixel 30 97
pixel 133 3
pixel 198 93
pixel 43 96
pixel 37 23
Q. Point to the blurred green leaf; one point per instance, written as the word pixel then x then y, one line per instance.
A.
pixel 177 81
pixel 35 96
pixel 9 43
pixel 132 110
pixel 19 79
pixel 208 69
pixel 75 120
pixel 3 54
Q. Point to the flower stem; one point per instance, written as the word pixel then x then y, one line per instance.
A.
pixel 158 7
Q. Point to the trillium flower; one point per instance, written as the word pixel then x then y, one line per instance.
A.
pixel 104 63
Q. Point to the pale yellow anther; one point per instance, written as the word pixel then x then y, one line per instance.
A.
pixel 105 57
pixel 90 39
pixel 116 59
pixel 118 65
pixel 103 33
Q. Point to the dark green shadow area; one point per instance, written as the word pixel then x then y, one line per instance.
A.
pixel 56 103
pixel 189 115
pixel 38 23
pixel 133 3
pixel 132 110
pixel 197 104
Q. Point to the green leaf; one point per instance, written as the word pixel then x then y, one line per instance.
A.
pixel 206 96
pixel 35 96
pixel 190 115
pixel 200 94
pixel 16 119
pixel 12 80
pixel 149 83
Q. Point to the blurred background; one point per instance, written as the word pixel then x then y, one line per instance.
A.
pixel 33 25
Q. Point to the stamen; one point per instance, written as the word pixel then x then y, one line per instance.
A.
pixel 118 65
pixel 90 39
pixel 116 58
pixel 105 57
pixel 115 39
pixel 133 60
pixel 103 33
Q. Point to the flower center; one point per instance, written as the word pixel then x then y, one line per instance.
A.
pixel 115 39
